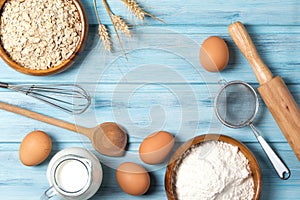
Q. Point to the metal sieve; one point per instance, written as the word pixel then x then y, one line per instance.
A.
pixel 236 106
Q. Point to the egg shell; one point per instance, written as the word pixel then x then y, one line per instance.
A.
pixel 214 54
pixel 133 178
pixel 156 147
pixel 35 148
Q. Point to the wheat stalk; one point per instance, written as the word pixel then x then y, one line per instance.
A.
pixel 102 31
pixel 104 36
pixel 110 14
pixel 134 7
pixel 120 23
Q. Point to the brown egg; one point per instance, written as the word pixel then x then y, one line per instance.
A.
pixel 133 178
pixel 214 54
pixel 35 148
pixel 156 147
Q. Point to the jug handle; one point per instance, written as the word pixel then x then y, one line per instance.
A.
pixel 48 194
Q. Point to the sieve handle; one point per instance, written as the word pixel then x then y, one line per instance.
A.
pixel 281 169
pixel 242 39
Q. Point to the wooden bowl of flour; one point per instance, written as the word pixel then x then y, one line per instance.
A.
pixel 184 151
pixel 49 62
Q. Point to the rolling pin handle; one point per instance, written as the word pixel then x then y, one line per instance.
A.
pixel 242 39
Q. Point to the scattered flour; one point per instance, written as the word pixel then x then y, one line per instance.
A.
pixel 214 170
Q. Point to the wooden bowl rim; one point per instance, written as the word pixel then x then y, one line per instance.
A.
pixel 177 156
pixel 62 66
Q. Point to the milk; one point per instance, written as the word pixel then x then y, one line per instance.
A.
pixel 71 175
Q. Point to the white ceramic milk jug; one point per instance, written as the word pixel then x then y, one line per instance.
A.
pixel 73 173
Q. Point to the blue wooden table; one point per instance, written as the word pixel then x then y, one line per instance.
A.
pixel 161 85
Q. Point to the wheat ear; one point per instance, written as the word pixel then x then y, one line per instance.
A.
pixel 104 36
pixel 102 31
pixel 120 23
pixel 109 12
pixel 134 7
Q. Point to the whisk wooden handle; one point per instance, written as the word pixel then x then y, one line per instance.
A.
pixel 44 118
pixel 242 39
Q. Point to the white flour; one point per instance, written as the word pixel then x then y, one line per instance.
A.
pixel 214 170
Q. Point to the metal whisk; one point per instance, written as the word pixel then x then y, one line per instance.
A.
pixel 70 98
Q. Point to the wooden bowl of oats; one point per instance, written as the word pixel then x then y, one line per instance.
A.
pixel 213 166
pixel 42 38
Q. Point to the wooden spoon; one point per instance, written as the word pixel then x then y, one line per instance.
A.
pixel 107 138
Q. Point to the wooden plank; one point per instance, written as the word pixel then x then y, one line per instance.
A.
pixel 177 108
pixel 276 45
pixel 163 66
pixel 23 179
pixel 210 12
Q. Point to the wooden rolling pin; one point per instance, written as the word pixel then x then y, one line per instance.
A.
pixel 273 91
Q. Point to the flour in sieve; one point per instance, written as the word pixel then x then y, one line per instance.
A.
pixel 214 170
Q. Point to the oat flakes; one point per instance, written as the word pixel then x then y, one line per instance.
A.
pixel 39 34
